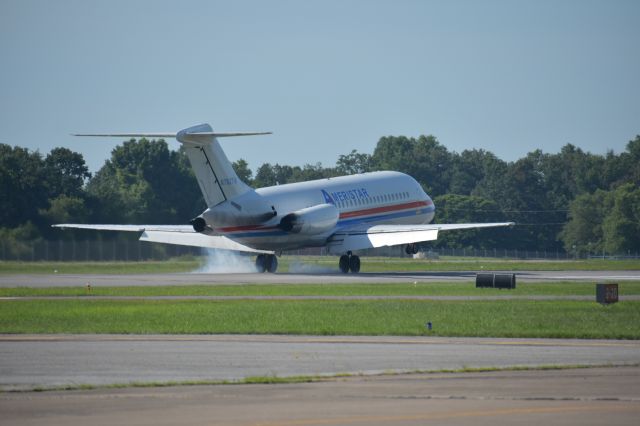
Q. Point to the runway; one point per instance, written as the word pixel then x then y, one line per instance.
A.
pixel 33 361
pixel 568 397
pixel 63 280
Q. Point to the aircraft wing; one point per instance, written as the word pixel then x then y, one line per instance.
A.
pixel 363 237
pixel 182 235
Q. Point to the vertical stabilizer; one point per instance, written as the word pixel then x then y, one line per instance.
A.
pixel 216 177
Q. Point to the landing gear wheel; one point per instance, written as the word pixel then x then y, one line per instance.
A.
pixel 344 263
pixel 271 263
pixel 266 263
pixel 411 249
pixel 261 265
pixel 354 264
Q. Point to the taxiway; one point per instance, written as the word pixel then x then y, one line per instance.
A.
pixel 61 280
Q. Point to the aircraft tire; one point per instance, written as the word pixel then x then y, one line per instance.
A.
pixel 354 264
pixel 261 263
pixel 271 263
pixel 344 263
pixel 411 249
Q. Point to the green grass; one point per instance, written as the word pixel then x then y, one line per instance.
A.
pixel 329 263
pixel 149 267
pixel 549 319
pixel 561 288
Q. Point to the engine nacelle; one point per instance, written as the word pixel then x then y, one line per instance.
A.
pixel 199 224
pixel 311 220
pixel 247 209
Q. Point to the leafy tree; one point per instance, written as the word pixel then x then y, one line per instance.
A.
pixel 353 163
pixel 145 182
pixel 621 225
pixel 424 158
pixel 584 233
pixel 66 172
pixel 604 221
pixel 624 168
pixel 310 172
pixel 241 167
pixel 66 209
pixel 469 169
pixel 23 186
pixel 265 176
pixel 454 208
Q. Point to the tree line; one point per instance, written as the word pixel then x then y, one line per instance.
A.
pixel 572 200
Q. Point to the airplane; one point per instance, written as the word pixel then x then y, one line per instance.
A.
pixel 343 214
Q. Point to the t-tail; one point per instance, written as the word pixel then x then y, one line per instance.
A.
pixel 214 173
pixel 216 177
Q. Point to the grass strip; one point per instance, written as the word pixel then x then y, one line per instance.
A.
pixel 147 267
pixel 274 379
pixel 560 288
pixel 514 318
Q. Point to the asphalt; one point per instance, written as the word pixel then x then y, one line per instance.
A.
pixel 34 361
pixel 568 397
pixel 61 280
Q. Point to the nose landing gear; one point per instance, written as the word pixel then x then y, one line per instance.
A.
pixel 349 262
pixel 266 263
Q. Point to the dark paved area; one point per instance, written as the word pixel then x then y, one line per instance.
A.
pixel 569 397
pixel 57 280
pixel 31 361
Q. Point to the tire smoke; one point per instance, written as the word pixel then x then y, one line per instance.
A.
pixel 226 262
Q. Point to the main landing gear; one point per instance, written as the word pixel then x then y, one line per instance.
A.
pixel 266 263
pixel 349 262
pixel 412 249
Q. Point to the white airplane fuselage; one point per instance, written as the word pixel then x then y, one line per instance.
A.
pixel 390 198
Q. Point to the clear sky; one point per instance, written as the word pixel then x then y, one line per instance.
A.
pixel 325 76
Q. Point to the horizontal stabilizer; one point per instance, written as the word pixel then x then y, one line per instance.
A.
pixel 171 135
pixel 128 228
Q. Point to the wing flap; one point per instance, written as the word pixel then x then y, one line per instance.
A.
pixel 364 237
pixel 195 239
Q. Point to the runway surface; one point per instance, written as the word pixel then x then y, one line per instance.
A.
pixel 568 397
pixel 31 361
pixel 61 280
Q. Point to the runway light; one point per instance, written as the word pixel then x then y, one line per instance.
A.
pixel 429 325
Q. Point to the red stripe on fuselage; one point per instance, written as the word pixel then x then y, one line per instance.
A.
pixel 385 209
pixel 247 228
